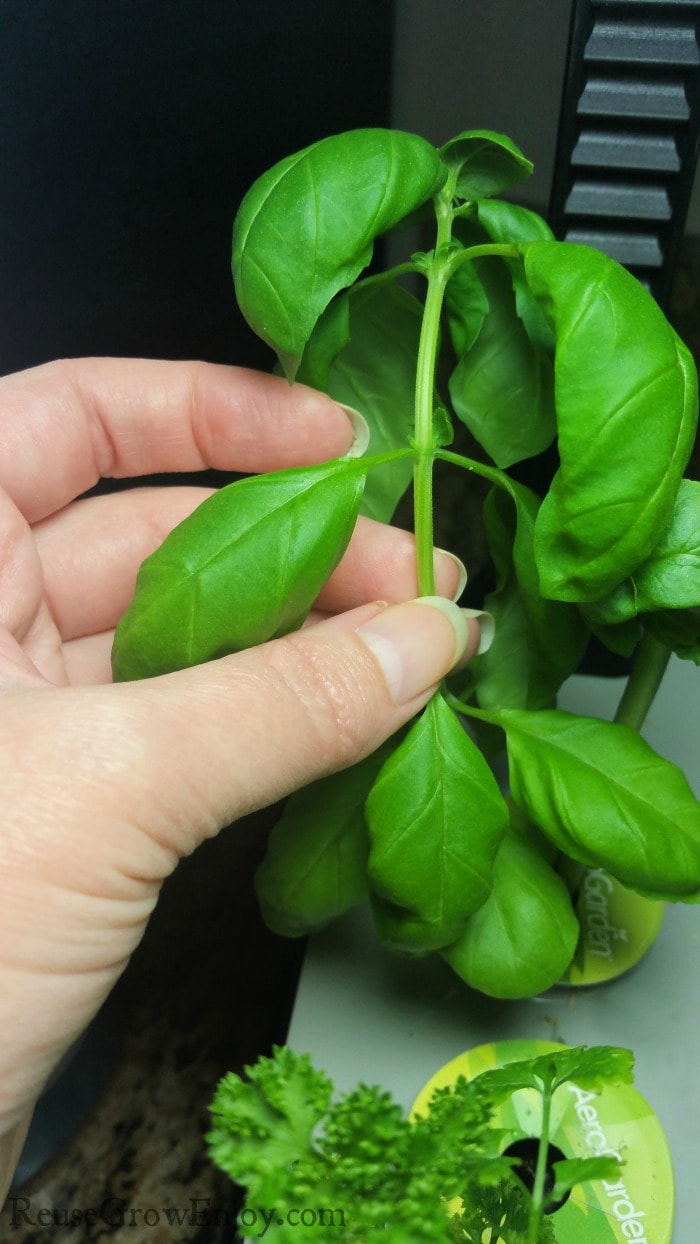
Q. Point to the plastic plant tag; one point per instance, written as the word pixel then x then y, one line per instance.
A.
pixel 617 926
pixel 639 1203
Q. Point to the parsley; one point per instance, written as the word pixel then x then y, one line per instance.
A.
pixel 383 1179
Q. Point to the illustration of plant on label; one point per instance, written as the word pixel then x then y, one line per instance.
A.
pixel 546 351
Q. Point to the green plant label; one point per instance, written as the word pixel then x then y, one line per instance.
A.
pixel 638 1203
pixel 617 926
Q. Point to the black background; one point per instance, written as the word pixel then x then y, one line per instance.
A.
pixel 129 132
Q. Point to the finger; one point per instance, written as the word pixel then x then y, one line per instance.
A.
pixel 92 549
pixel 67 424
pixel 380 564
pixel 385 557
pixel 88 661
pixel 160 765
pixel 165 762
pixel 24 615
pixel 271 719
pixel 91 552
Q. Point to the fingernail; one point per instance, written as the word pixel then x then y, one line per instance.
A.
pixel 413 645
pixel 487 626
pixel 360 430
pixel 461 570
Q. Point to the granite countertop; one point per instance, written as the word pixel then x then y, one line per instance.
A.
pixel 207 991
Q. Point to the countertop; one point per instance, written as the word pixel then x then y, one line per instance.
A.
pixel 207 991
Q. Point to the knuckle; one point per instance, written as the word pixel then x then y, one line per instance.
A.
pixel 327 689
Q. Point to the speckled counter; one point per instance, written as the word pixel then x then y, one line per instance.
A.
pixel 207 991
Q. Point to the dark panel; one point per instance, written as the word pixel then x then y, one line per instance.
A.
pixel 629 132
pixel 129 130
pixel 623 150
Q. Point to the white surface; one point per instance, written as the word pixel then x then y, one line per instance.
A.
pixel 364 1014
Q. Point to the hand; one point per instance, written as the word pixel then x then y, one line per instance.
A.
pixel 106 787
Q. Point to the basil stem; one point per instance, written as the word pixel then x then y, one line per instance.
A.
pixel 643 683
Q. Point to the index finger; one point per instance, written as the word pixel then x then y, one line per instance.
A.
pixel 65 425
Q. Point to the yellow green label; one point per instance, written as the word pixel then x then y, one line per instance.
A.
pixel 638 1203
pixel 617 926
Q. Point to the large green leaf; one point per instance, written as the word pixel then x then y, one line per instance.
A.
pixel 502 387
pixel 246 566
pixel 670 576
pixel 306 228
pixel 315 866
pixel 484 162
pixel 601 793
pixel 678 630
pixel 466 307
pixel 435 816
pixel 523 938
pixel 626 399
pixel 509 223
pixel 372 333
pixel 538 642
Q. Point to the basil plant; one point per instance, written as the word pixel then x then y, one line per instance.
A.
pixel 545 350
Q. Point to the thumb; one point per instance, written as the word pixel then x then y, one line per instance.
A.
pixel 107 786
pixel 224 739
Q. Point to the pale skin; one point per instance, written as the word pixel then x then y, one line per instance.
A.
pixel 105 787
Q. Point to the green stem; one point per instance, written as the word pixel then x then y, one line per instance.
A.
pixel 537 1201
pixel 496 476
pixel 504 250
pixel 438 273
pixel 644 681
pixel 371 461
pixel 410 267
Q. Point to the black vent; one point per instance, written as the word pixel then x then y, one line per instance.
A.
pixel 629 132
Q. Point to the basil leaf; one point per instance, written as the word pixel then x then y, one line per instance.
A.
pixel 523 938
pixel 670 576
pixel 485 163
pixel 538 642
pixel 466 307
pixel 329 338
pixel 678 630
pixel 246 566
pixel 621 638
pixel 375 371
pixel 509 223
pixel 315 866
pixel 615 609
pixel 306 228
pixel 435 817
pixel 606 799
pixel 502 387
pixel 618 364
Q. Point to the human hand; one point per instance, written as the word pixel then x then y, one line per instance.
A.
pixel 106 787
